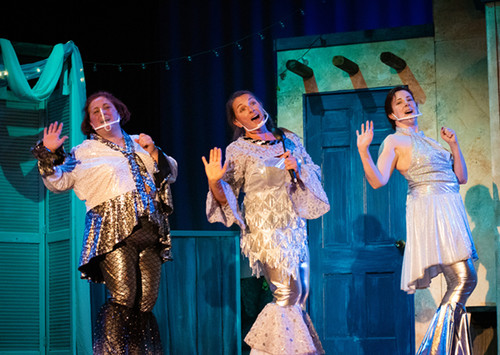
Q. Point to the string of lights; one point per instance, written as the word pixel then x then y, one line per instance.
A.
pixel 217 51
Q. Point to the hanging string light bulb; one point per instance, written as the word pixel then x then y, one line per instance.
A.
pixel 216 51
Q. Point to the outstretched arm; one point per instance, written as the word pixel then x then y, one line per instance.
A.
pixel 215 171
pixel 54 165
pixel 376 175
pixel 459 166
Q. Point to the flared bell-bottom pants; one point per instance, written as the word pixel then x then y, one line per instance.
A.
pixel 448 332
pixel 289 291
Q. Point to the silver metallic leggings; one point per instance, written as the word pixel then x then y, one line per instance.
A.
pixel 448 332
pixel 132 271
pixel 290 291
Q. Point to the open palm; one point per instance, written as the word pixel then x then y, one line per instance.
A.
pixel 52 136
pixel 214 168
pixel 364 139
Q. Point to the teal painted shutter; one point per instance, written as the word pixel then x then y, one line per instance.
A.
pixel 58 246
pixel 22 251
pixel 36 263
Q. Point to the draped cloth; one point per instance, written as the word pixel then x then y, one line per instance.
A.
pixel 64 66
pixel 49 72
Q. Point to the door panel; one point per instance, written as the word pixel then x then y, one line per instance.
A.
pixel 355 300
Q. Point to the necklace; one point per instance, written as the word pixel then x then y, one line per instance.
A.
pixel 260 141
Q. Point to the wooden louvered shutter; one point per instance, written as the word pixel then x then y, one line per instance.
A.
pixel 22 249
pixel 58 246
pixel 37 266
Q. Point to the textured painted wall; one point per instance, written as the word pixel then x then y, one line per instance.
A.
pixel 451 70
pixel 493 34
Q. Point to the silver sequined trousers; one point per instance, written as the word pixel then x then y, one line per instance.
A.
pixel 448 332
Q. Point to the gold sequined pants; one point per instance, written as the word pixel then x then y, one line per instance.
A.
pixel 132 271
pixel 289 291
pixel 448 332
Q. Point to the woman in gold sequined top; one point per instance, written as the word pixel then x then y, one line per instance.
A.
pixel 125 183
pixel 272 219
pixel 438 236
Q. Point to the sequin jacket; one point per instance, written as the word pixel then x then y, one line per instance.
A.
pixel 272 218
pixel 101 175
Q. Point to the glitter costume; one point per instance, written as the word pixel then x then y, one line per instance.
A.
pixel 274 235
pixel 438 240
pixel 116 195
pixel 127 236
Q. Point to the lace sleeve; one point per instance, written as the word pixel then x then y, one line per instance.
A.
pixel 231 184
pixel 308 196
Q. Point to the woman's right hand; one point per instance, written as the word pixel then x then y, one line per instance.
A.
pixel 366 136
pixel 214 168
pixel 51 136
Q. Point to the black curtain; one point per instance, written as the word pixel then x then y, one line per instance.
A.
pixel 139 51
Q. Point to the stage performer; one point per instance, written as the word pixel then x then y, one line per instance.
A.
pixel 282 187
pixel 125 183
pixel 438 236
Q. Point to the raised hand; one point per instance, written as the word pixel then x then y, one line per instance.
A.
pixel 146 142
pixel 366 136
pixel 448 135
pixel 51 136
pixel 214 168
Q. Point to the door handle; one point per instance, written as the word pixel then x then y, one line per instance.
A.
pixel 400 244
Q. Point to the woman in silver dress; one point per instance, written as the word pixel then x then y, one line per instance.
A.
pixel 272 219
pixel 125 183
pixel 438 235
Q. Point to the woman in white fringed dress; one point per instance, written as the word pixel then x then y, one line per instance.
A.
pixel 272 220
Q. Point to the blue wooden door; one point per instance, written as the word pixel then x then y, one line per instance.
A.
pixel 355 301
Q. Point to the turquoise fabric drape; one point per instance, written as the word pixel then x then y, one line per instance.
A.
pixel 49 72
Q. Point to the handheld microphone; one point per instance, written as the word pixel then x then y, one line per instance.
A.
pixel 280 136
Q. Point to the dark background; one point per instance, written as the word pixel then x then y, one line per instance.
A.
pixel 212 49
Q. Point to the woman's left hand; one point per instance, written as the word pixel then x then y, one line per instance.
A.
pixel 448 135
pixel 290 162
pixel 146 142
